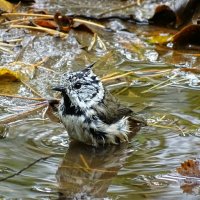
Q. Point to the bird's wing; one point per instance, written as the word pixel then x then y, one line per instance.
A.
pixel 111 110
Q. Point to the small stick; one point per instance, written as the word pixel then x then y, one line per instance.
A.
pixel 6 44
pixel 21 115
pixel 49 31
pixel 12 40
pixel 27 14
pixel 92 43
pixel 84 161
pixel 86 168
pixel 52 17
pixel 162 126
pixel 93 169
pixel 37 65
pixel 115 77
pixel 110 75
pixel 14 21
pixel 25 168
pixel 101 43
pixel 28 86
pixel 6 50
pixel 20 97
pixel 89 23
pixel 121 91
pixel 156 86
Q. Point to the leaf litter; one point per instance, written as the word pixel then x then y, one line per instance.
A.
pixel 60 26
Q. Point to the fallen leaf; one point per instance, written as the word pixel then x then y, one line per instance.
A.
pixel 163 15
pixel 6 6
pixel 46 23
pixel 9 74
pixel 160 38
pixel 190 168
pixel 9 81
pixel 187 38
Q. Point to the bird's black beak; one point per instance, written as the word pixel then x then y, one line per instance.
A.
pixel 58 88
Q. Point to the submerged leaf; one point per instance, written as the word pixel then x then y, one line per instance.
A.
pixel 6 73
pixel 190 168
pixel 187 38
pixel 160 38
pixel 9 81
pixel 6 6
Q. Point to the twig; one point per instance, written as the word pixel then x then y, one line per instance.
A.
pixel 28 86
pixel 89 23
pixel 91 169
pixel 11 40
pixel 92 43
pixel 183 133
pixel 52 17
pixel 157 85
pixel 101 43
pixel 6 44
pixel 38 65
pixel 84 162
pixel 27 14
pixel 25 168
pixel 47 30
pixel 162 126
pixel 110 75
pixel 6 50
pixel 116 77
pixel 14 21
pixel 20 97
pixel 21 115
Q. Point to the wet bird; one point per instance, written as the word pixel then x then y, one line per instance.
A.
pixel 90 113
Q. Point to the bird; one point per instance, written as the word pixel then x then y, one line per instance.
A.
pixel 90 113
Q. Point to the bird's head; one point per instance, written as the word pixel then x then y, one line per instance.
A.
pixel 83 88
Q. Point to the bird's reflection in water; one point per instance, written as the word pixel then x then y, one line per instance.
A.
pixel 86 171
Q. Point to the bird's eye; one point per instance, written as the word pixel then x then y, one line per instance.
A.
pixel 77 85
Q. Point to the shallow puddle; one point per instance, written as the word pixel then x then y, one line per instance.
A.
pixel 156 87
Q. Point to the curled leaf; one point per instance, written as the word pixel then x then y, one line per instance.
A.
pixel 9 74
pixel 187 38
pixel 9 81
pixel 163 15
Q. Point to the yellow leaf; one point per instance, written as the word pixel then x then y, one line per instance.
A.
pixel 9 81
pixel 160 39
pixel 6 6
pixel 9 74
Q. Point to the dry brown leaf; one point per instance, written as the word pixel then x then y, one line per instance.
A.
pixel 187 38
pixel 189 168
pixel 163 15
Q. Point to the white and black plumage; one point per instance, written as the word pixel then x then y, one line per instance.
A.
pixel 90 113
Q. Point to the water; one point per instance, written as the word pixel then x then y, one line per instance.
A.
pixel 143 169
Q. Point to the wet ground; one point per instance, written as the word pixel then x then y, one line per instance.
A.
pixel 143 169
